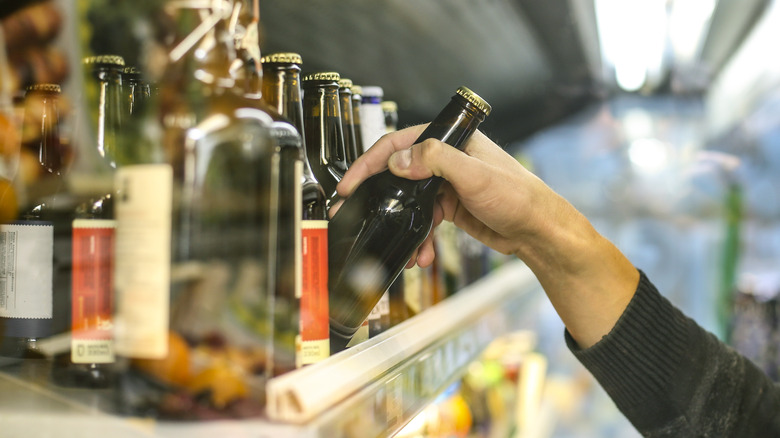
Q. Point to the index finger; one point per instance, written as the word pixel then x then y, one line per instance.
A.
pixel 374 160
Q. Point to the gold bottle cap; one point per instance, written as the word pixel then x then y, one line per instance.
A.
pixel 357 89
pixel 345 83
pixel 323 76
pixel 105 59
pixel 51 88
pixel 474 99
pixel 389 106
pixel 282 58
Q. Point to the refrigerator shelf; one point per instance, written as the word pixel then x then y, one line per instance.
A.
pixel 372 389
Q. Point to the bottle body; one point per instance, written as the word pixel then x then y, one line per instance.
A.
pixel 88 362
pixel 34 295
pixel 282 89
pixel 204 227
pixel 378 228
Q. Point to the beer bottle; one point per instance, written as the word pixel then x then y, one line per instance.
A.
pixel 35 246
pixel 372 118
pixel 376 230
pixel 390 111
pixel 282 90
pixel 357 101
pixel 136 89
pixel 88 363
pixel 347 125
pixel 322 129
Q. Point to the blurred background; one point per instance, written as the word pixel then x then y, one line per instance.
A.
pixel 658 119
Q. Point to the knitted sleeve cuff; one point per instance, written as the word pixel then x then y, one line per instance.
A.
pixel 637 360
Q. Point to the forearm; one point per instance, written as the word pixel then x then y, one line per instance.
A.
pixel 587 279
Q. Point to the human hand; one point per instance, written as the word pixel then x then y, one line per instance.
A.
pixel 495 199
pixel 486 190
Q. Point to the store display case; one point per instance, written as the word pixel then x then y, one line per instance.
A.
pixel 375 388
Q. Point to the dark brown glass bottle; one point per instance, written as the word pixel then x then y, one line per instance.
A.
pixel 376 230
pixel 347 125
pixel 357 102
pixel 390 110
pixel 322 129
pixel 282 90
pixel 35 247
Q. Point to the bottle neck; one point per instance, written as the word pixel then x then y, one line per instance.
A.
pixel 324 110
pixel 48 148
pixel 281 88
pixel 109 113
pixel 454 125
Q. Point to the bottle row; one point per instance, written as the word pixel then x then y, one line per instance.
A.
pixel 167 238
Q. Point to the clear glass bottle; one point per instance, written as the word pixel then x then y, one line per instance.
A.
pixel 377 229
pixel 204 230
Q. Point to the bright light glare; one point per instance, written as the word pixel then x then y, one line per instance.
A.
pixel 630 76
pixel 648 155
pixel 637 123
pixel 633 38
pixel 687 25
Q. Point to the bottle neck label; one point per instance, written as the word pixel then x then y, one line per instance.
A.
pixel 93 270
pixel 26 268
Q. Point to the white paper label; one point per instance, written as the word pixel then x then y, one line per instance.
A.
pixel 26 264
pixel 143 260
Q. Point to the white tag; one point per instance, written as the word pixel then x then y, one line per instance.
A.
pixel 143 260
pixel 26 264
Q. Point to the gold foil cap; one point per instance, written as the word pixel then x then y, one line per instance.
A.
pixel 357 89
pixel 389 106
pixel 282 58
pixel 345 83
pixel 50 88
pixel 323 76
pixel 105 59
pixel 474 99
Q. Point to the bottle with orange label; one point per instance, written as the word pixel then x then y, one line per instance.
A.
pixel 89 361
pixel 282 90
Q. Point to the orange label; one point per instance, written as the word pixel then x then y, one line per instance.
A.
pixel 93 266
pixel 314 292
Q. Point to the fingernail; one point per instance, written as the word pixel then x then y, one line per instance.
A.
pixel 402 159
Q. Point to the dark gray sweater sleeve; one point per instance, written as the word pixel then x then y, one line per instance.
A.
pixel 671 378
